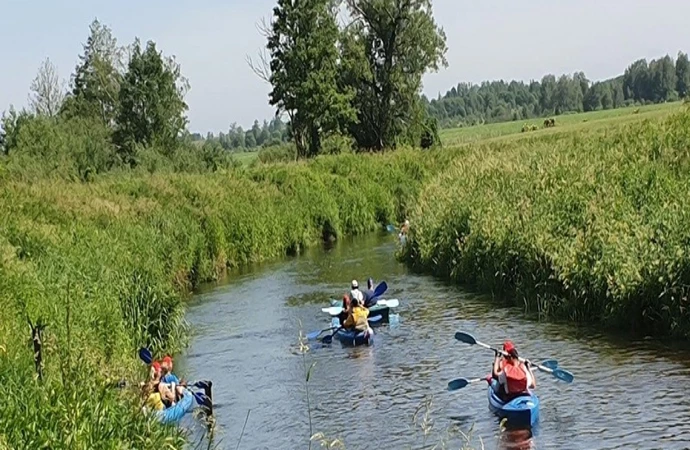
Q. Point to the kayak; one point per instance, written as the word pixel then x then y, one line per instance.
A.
pixel 175 413
pixel 521 411
pixel 355 338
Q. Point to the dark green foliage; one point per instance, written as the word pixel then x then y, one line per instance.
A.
pixel 303 72
pixel 151 106
pixel 386 50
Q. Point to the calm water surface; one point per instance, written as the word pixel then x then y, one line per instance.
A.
pixel 627 394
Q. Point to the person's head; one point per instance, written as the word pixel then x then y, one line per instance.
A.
pixel 346 301
pixel 354 284
pixel 155 370
pixel 355 303
pixel 167 365
pixel 370 283
pixel 509 347
pixel 407 223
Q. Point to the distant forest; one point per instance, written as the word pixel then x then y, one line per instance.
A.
pixel 467 104
pixel 268 134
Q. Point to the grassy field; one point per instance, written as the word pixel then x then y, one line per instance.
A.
pixel 246 158
pixel 589 225
pixel 568 123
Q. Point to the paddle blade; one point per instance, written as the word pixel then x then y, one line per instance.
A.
pixel 380 289
pixel 465 337
pixel 390 228
pixel 327 339
pixel 563 375
pixel 375 318
pixel 391 303
pixel 313 335
pixel 202 399
pixel 202 384
pixel 550 363
pixel 460 383
pixel 145 355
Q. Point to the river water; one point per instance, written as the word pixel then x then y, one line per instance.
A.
pixel 627 394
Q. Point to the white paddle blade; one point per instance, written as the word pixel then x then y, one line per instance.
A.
pixel 333 310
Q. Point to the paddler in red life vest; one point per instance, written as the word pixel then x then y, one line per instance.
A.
pixel 514 377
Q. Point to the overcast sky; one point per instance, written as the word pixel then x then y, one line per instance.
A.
pixel 487 39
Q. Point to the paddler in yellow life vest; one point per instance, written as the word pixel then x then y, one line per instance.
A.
pixel 357 317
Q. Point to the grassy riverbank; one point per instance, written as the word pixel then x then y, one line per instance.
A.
pixel 589 226
pixel 105 266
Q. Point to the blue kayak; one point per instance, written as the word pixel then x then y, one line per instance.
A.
pixel 355 338
pixel 175 413
pixel 521 411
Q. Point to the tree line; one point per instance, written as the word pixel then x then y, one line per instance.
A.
pixel 273 133
pixel 643 82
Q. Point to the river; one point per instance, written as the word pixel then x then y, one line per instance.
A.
pixel 627 393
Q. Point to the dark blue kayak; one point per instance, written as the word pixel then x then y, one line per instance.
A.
pixel 355 338
pixel 521 411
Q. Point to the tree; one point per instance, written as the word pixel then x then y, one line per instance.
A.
pixel 97 77
pixel 10 124
pixel 682 74
pixel 303 71
pixel 47 91
pixel 152 107
pixel 386 50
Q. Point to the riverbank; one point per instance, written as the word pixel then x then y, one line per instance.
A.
pixel 590 227
pixel 106 266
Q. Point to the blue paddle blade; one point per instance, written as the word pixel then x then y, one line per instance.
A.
pixel 375 318
pixel 202 399
pixel 380 289
pixel 460 383
pixel 390 228
pixel 145 355
pixel 465 337
pixel 563 375
pixel 550 363
pixel 313 335
pixel 202 384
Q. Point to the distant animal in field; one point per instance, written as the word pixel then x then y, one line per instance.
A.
pixel 637 111
pixel 549 123
pixel 529 127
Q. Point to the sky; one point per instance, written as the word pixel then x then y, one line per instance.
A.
pixel 487 40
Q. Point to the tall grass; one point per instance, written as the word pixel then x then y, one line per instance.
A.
pixel 106 266
pixel 592 227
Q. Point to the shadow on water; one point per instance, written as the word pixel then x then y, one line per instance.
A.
pixel 628 393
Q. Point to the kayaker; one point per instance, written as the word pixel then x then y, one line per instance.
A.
pixel 357 318
pixel 513 376
pixel 369 299
pixel 346 309
pixel 166 370
pixel 355 293
pixel 402 236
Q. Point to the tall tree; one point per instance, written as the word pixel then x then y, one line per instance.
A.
pixel 97 77
pixel 387 48
pixel 303 71
pixel 682 74
pixel 47 90
pixel 151 103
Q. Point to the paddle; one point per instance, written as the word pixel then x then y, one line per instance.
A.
pixel 561 374
pixel 460 383
pixel 314 334
pixel 335 310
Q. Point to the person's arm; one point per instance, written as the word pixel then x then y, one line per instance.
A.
pixel 350 321
pixel 497 366
pixel 532 380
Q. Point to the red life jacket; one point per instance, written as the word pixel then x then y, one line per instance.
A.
pixel 516 379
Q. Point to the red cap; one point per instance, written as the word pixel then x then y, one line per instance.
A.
pixel 508 346
pixel 167 359
pixel 156 366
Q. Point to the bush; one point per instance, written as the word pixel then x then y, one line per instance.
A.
pixel 281 153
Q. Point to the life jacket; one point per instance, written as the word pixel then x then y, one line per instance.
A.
pixel 516 378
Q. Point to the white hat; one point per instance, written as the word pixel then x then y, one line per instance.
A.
pixel 355 284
